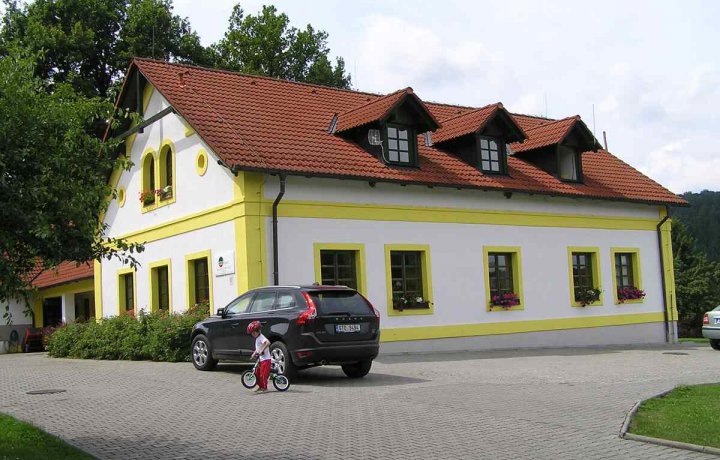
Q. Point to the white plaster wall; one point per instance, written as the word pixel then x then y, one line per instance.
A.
pixel 217 238
pixel 456 258
pixel 17 307
pixel 194 193
pixel 350 191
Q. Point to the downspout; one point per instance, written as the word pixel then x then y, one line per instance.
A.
pixel 662 274
pixel 276 274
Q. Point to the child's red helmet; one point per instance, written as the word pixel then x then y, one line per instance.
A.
pixel 253 326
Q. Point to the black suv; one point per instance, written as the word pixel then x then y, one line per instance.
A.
pixel 306 325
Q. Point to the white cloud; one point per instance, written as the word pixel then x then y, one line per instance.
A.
pixel 682 166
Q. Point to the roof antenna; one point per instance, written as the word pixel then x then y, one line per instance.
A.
pixel 605 140
pixel 594 120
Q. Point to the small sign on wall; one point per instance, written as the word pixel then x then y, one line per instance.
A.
pixel 224 263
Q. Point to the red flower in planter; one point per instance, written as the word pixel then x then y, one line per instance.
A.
pixel 629 293
pixel 507 300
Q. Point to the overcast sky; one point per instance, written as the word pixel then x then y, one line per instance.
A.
pixel 650 68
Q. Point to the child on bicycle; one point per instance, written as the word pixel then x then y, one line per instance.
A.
pixel 262 344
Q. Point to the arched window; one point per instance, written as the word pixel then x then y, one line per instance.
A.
pixel 147 194
pixel 166 172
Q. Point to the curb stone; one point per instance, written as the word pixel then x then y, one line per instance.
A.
pixel 659 441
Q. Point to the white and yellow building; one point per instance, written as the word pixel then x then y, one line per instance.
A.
pixel 430 210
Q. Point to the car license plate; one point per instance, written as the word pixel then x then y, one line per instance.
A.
pixel 717 320
pixel 347 328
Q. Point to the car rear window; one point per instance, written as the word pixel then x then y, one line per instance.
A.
pixel 338 302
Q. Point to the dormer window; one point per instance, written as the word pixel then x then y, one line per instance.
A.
pixel 400 144
pixel 492 155
pixel 569 164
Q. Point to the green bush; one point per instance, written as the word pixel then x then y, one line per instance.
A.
pixel 155 336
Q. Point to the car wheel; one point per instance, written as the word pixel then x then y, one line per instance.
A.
pixel 715 343
pixel 279 353
pixel 357 370
pixel 202 354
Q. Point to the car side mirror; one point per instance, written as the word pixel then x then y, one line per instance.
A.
pixel 221 312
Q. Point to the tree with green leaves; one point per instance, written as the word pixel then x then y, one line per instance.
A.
pixel 91 42
pixel 266 44
pixel 701 218
pixel 53 177
pixel 152 30
pixel 697 281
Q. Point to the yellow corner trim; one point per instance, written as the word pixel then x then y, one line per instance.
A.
pixel 359 250
pixel 516 252
pixel 596 274
pixel 153 283
pixel 515 327
pixel 637 275
pixel 424 249
pixel 97 284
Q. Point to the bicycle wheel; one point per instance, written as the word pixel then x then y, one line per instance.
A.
pixel 248 379
pixel 281 383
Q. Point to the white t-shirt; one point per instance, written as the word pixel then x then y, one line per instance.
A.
pixel 259 341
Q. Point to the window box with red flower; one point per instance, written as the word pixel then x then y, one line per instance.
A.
pixel 506 300
pixel 630 294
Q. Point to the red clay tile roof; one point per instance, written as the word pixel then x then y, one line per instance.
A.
pixel 375 110
pixel 529 121
pixel 466 123
pixel 265 124
pixel 546 134
pixel 66 272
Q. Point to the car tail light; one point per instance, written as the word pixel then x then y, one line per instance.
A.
pixel 310 313
pixel 706 319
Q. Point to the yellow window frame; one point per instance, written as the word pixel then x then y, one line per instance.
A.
pixel 154 294
pixel 637 274
pixel 516 255
pixel 167 148
pixel 145 175
pixel 359 250
pixel 426 271
pixel 596 274
pixel 190 277
pixel 121 298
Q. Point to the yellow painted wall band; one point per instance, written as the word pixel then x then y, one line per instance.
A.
pixel 515 327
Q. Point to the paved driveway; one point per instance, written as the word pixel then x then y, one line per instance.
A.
pixel 552 404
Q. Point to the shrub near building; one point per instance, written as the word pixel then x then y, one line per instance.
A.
pixel 156 336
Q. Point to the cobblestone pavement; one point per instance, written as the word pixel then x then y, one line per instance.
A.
pixel 541 404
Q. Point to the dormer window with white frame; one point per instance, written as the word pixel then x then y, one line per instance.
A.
pixel 492 155
pixel 399 143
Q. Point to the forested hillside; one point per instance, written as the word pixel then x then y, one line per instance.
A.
pixel 703 221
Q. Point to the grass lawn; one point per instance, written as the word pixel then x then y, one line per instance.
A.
pixel 686 414
pixel 21 441
pixel 694 340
